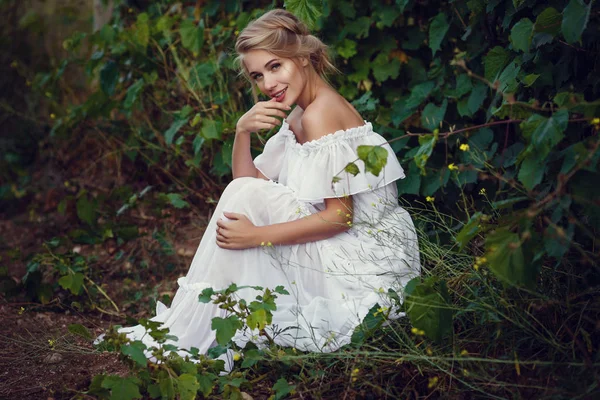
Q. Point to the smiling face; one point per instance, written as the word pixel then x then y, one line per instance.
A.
pixel 277 77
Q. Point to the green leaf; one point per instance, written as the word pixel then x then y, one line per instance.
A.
pixel 532 170
pixel 211 129
pixel 428 308
pixel 463 86
pixel 347 48
pixel 166 385
pixel 72 282
pixel 141 30
pixel 135 350
pixel 530 79
pixel 226 328
pixel 188 386
pixel 257 319
pixel 504 253
pixel 122 388
pixel 173 129
pixel 281 290
pixel 206 383
pixel 384 68
pixel 418 94
pixel 426 145
pixel 508 78
pixel 548 21
pixel 469 230
pixel 176 200
pixel 494 62
pixel 282 388
pixel 545 133
pixel 476 98
pixel 307 10
pixel 206 295
pixel 109 75
pixel 352 168
pixel 575 18
pixel 432 116
pixel 86 210
pixel 132 94
pixel 521 34
pixel 402 4
pixel 192 35
pixel 374 157
pixel 79 330
pixel 437 30
pixel 201 75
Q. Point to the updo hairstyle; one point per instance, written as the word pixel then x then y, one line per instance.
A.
pixel 283 34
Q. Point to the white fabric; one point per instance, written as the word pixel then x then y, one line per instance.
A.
pixel 332 283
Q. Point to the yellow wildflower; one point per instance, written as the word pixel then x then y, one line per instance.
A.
pixel 429 199
pixel 452 167
pixel 482 192
pixel 354 373
pixel 433 382
pixel 464 147
pixel 429 351
pixel 52 116
pixel 236 356
pixel 596 121
pixel 51 342
pixel 262 243
pixel 269 244
pixel 21 310
pixel 464 352
pixel 414 330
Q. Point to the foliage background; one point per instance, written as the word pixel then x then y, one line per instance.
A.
pixel 491 107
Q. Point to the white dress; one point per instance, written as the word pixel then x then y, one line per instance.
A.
pixel 333 282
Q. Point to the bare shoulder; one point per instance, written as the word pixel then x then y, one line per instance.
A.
pixel 327 114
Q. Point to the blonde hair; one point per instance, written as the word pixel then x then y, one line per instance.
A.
pixel 283 34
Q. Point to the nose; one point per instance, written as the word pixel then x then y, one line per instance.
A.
pixel 270 82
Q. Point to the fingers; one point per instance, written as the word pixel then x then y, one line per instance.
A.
pixel 232 215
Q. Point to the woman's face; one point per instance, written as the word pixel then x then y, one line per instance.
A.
pixel 277 77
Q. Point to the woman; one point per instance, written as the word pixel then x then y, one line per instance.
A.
pixel 336 247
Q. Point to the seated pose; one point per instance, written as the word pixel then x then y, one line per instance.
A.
pixel 337 245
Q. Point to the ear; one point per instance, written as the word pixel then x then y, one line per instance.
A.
pixel 303 61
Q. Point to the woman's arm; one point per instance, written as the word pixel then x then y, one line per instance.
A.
pixel 240 233
pixel 242 163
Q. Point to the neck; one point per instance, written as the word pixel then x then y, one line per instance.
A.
pixel 313 85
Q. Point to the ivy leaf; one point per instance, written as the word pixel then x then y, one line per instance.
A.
pixel 384 68
pixel 257 319
pixel 494 62
pixel 188 386
pixel 418 94
pixel 206 295
pixel 192 35
pixel 532 170
pixel 437 30
pixel 282 388
pixel 211 129
pixel 176 200
pixel 201 75
pixel 521 33
pixel 72 282
pixel 504 253
pixel 432 116
pixel 135 350
pixel 122 388
pixel 86 209
pixel 427 306
pixel 575 18
pixel 374 157
pixel 206 383
pixel 347 48
pixel 80 330
pixel 142 30
pixel 281 290
pixel 469 230
pixel 307 10
pixel 132 93
pixel 173 129
pixel 109 75
pixel 352 168
pixel 226 328
pixel 548 21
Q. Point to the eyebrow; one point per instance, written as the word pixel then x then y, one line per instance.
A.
pixel 266 66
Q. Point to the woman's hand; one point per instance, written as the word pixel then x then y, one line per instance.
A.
pixel 262 116
pixel 236 234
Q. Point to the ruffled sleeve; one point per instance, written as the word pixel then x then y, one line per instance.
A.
pixel 309 169
pixel 271 160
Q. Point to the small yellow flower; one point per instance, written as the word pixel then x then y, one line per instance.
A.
pixel 374 205
pixel 464 353
pixel 452 167
pixel 429 199
pixel 130 10
pixel 381 290
pixel 215 106
pixel 52 116
pixel 339 212
pixel 429 351
pixel 21 310
pixel 482 192
pixel 14 64
pixel 349 223
pixel 476 267
pixel 596 121
pixel 269 244
pixel 262 243
pixel 433 382
pixel 236 356
pixel 348 215
pixel 51 342
pixel 48 94
pixel 370 232
pixel 237 32
pixel 414 330
pixel 353 374
pixel 464 147
pixel 465 372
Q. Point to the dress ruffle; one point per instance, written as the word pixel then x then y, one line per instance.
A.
pixel 309 168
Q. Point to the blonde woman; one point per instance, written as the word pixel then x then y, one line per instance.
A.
pixel 337 245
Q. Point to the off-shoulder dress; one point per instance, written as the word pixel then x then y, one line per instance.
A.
pixel 333 282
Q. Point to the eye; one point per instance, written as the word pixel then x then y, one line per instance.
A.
pixel 275 66
pixel 257 77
